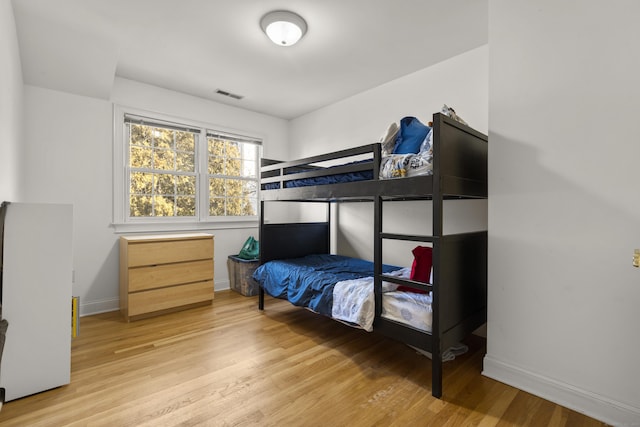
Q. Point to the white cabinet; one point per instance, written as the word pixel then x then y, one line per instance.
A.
pixel 36 298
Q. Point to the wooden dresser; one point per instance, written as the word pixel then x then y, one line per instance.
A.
pixel 161 273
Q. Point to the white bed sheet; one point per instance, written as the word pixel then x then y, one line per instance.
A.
pixel 353 303
pixel 409 308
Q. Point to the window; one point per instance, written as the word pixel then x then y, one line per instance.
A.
pixel 232 176
pixel 180 174
pixel 162 169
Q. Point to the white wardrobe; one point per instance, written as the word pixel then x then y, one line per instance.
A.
pixel 36 298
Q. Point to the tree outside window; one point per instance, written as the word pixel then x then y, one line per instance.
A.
pixel 233 182
pixel 164 164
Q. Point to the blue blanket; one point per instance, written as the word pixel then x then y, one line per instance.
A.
pixel 309 281
pixel 326 179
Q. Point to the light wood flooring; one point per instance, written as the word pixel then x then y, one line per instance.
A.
pixel 230 365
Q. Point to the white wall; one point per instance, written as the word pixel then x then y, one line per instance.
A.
pixel 460 82
pixel 69 152
pixel 151 98
pixel 11 106
pixel 564 209
pixel 68 147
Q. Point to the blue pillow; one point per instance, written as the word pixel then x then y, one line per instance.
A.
pixel 412 133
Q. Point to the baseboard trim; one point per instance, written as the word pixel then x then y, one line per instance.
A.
pixel 222 285
pixel 113 304
pixel 579 400
pixel 87 308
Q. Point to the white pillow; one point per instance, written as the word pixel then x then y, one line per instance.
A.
pixel 388 140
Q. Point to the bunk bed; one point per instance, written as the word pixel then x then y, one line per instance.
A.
pixel 457 292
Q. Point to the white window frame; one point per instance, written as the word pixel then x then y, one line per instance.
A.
pixel 122 222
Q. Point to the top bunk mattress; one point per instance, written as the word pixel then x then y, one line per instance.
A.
pixel 451 150
pixel 325 179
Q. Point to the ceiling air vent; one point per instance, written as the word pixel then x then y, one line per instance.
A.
pixel 229 94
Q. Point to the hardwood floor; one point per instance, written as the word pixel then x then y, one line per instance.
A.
pixel 230 365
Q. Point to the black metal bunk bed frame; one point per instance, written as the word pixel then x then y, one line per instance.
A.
pixel 459 304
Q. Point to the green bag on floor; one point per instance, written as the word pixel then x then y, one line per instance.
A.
pixel 250 249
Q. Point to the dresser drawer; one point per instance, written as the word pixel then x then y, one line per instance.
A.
pixel 161 273
pixel 159 276
pixel 170 297
pixel 169 251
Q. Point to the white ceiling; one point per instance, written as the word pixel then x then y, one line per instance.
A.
pixel 198 46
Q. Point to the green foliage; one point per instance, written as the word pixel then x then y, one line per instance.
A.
pixel 163 174
pixel 163 178
pixel 230 192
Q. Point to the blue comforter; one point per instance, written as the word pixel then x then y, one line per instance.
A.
pixel 326 179
pixel 309 281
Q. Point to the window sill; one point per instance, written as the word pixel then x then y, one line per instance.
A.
pixel 153 227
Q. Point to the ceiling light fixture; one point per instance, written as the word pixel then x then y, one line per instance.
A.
pixel 283 28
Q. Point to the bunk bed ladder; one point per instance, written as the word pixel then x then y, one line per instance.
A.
pixel 424 340
pixel 261 255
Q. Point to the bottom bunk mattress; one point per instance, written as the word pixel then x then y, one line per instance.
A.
pixel 342 288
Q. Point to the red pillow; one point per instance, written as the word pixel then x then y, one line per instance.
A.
pixel 420 269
